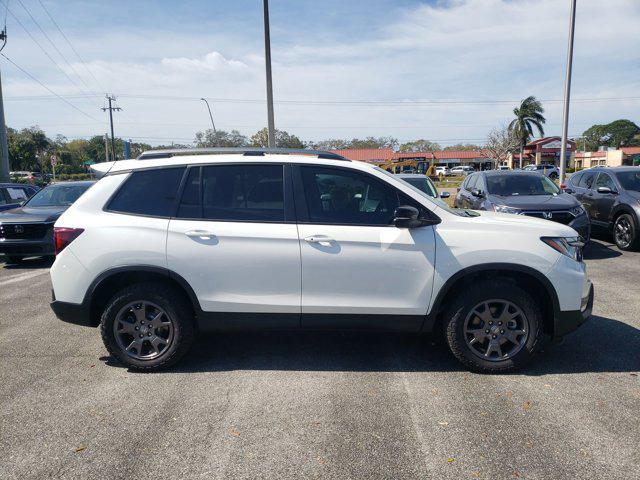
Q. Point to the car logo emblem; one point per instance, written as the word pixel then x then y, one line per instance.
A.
pixel 18 229
pixel 547 215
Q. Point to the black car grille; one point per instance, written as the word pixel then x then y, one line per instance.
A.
pixel 560 216
pixel 23 231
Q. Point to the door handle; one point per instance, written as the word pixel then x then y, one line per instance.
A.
pixel 199 234
pixel 321 239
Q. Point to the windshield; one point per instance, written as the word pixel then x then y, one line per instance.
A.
pixel 629 180
pixel 423 184
pixel 513 184
pixel 455 211
pixel 59 195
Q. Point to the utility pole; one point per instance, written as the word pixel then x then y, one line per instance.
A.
pixel 210 116
pixel 4 149
pixel 106 147
pixel 111 108
pixel 567 93
pixel 267 58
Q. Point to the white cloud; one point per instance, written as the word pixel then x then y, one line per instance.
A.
pixel 464 50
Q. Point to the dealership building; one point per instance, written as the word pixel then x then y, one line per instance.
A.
pixel 449 158
pixel 542 151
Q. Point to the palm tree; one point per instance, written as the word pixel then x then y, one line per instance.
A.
pixel 528 115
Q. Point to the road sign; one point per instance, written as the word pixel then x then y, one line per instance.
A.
pixel 54 160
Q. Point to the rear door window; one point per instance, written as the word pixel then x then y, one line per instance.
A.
pixel 149 192
pixel 575 179
pixel 234 193
pixel 587 179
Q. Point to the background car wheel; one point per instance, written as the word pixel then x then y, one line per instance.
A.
pixel 148 326
pixel 625 232
pixel 494 327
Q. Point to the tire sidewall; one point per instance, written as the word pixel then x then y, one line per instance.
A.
pixel 182 326
pixel 454 327
pixel 634 237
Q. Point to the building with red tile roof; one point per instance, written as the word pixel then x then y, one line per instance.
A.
pixel 370 155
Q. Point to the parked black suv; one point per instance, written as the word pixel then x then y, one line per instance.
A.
pixel 522 193
pixel 611 197
pixel 27 231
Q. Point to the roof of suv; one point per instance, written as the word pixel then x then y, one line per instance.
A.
pixel 163 158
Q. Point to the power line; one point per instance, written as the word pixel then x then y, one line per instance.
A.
pixel 54 45
pixel 407 103
pixel 85 96
pixel 48 89
pixel 84 64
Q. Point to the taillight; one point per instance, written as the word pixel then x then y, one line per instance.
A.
pixel 64 236
pixel 563 186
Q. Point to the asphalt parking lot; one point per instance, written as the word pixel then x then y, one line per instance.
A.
pixel 311 405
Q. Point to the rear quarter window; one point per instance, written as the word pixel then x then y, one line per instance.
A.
pixel 148 192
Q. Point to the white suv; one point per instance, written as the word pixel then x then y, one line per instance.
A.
pixel 175 243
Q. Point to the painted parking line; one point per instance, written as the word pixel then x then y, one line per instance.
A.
pixel 23 276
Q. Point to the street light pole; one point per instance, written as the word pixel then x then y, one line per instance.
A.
pixel 210 116
pixel 267 57
pixel 567 94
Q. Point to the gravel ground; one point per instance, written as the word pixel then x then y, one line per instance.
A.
pixel 330 405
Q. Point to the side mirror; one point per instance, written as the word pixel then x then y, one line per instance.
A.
pixel 477 193
pixel 605 190
pixel 406 216
pixel 445 195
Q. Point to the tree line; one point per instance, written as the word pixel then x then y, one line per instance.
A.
pixel 30 149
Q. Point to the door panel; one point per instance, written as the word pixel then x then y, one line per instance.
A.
pixel 603 202
pixel 366 270
pixel 237 266
pixel 236 244
pixel 353 260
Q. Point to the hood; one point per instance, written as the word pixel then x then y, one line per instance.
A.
pixel 563 201
pixel 540 227
pixel 31 215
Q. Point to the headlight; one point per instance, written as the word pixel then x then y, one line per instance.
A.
pixel 505 209
pixel 569 246
pixel 577 211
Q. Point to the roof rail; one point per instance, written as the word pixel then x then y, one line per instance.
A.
pixel 249 151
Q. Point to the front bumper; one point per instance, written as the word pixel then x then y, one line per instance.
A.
pixel 568 321
pixel 582 225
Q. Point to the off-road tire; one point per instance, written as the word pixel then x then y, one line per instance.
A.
pixel 172 302
pixel 462 305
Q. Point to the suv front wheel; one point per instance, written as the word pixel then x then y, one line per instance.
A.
pixel 494 327
pixel 625 232
pixel 147 326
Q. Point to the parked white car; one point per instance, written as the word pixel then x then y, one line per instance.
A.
pixel 443 171
pixel 162 248
pixel 462 170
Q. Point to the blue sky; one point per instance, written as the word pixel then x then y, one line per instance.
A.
pixel 160 57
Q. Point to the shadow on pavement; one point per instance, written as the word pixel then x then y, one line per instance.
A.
pixel 600 345
pixel 596 250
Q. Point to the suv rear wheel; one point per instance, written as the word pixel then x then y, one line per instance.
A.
pixel 147 326
pixel 494 327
